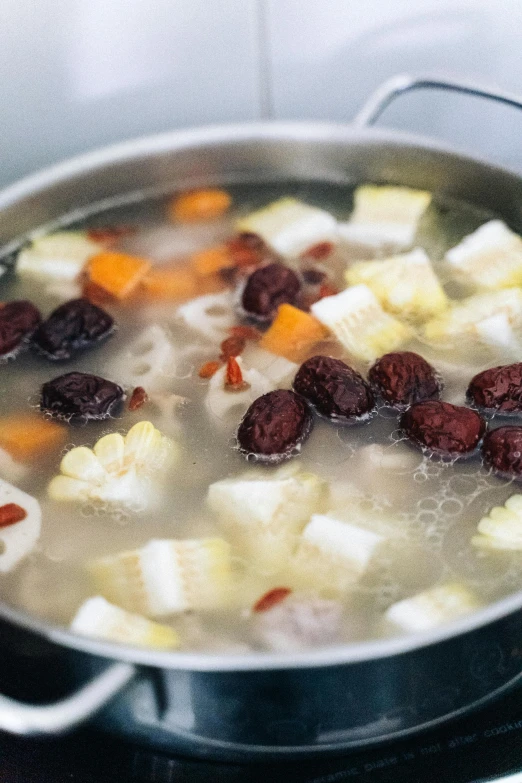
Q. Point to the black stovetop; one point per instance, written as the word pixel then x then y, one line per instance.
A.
pixel 482 746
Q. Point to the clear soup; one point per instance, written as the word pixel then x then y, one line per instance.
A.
pixel 425 508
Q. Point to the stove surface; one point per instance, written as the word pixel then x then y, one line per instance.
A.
pixel 482 746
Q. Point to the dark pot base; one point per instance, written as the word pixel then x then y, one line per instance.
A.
pixel 285 714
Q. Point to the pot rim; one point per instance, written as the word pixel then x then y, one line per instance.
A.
pixel 171 141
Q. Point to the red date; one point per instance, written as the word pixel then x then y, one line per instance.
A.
pixel 335 390
pixel 498 389
pixel 71 328
pixel 502 451
pixel 274 427
pixel 18 321
pixel 81 397
pixel 443 429
pixel 403 378
pixel 267 288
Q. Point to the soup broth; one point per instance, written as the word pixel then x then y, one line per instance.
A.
pixel 423 508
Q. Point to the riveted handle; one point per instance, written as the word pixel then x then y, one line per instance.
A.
pixel 35 720
pixel 398 85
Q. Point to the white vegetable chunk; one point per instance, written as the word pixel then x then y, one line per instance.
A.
pixel 221 402
pixel 496 331
pixel 278 370
pixel 432 607
pixel 405 285
pixel 19 539
pixel 487 317
pixel 167 576
pixel 264 512
pixel 57 257
pixel 358 321
pixel 211 316
pixel 98 618
pixel 334 554
pixel 385 216
pixel 502 527
pixel 290 227
pixel 489 258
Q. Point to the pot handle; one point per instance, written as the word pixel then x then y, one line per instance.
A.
pixel 397 85
pixel 51 719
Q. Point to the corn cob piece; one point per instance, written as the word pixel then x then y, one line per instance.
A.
pixel 166 576
pixel 264 514
pixel 360 324
pixel 431 608
pixel 334 554
pixel 385 216
pixel 98 618
pixel 502 527
pixel 17 538
pixel 489 258
pixel 220 401
pixel 57 257
pixel 487 317
pixel 405 285
pixel 290 227
pixel 118 470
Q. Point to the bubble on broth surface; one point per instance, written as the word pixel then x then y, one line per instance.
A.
pixel 451 506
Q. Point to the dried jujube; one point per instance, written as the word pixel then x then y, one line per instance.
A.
pixel 498 389
pixel 267 288
pixel 443 429
pixel 80 396
pixel 18 320
pixel 274 427
pixel 335 390
pixel 71 328
pixel 502 450
pixel 403 378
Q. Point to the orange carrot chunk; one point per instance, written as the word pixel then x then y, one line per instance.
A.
pixel 211 261
pixel 118 273
pixel 170 282
pixel 293 333
pixel 197 205
pixel 26 436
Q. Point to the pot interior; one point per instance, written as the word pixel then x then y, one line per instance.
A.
pixel 310 158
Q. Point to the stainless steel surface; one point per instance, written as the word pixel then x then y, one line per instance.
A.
pixel 64 715
pixel 324 700
pixel 402 83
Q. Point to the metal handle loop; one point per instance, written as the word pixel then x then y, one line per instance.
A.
pixel 30 720
pixel 397 85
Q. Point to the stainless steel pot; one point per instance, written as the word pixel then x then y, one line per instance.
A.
pixel 267 705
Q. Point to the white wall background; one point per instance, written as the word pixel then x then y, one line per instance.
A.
pixel 76 74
